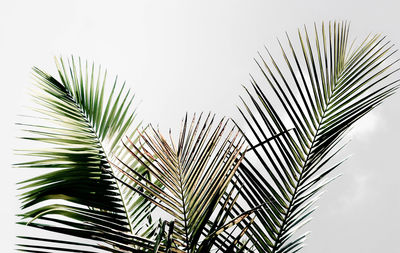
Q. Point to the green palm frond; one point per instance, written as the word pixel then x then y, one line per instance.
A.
pixel 195 171
pixel 80 126
pixel 322 91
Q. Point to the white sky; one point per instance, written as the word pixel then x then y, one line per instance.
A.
pixel 181 56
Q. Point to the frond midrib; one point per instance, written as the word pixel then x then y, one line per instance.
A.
pixel 299 182
pixel 183 200
pixel 102 150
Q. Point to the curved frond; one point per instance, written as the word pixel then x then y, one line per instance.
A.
pixel 80 124
pixel 195 172
pixel 320 93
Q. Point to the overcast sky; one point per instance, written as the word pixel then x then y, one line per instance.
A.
pixel 182 56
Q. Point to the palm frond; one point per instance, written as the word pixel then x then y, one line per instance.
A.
pixel 322 91
pixel 195 171
pixel 80 126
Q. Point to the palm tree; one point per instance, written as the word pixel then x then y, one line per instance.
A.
pixel 216 187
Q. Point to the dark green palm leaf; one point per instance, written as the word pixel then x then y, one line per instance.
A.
pixel 78 196
pixel 321 93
